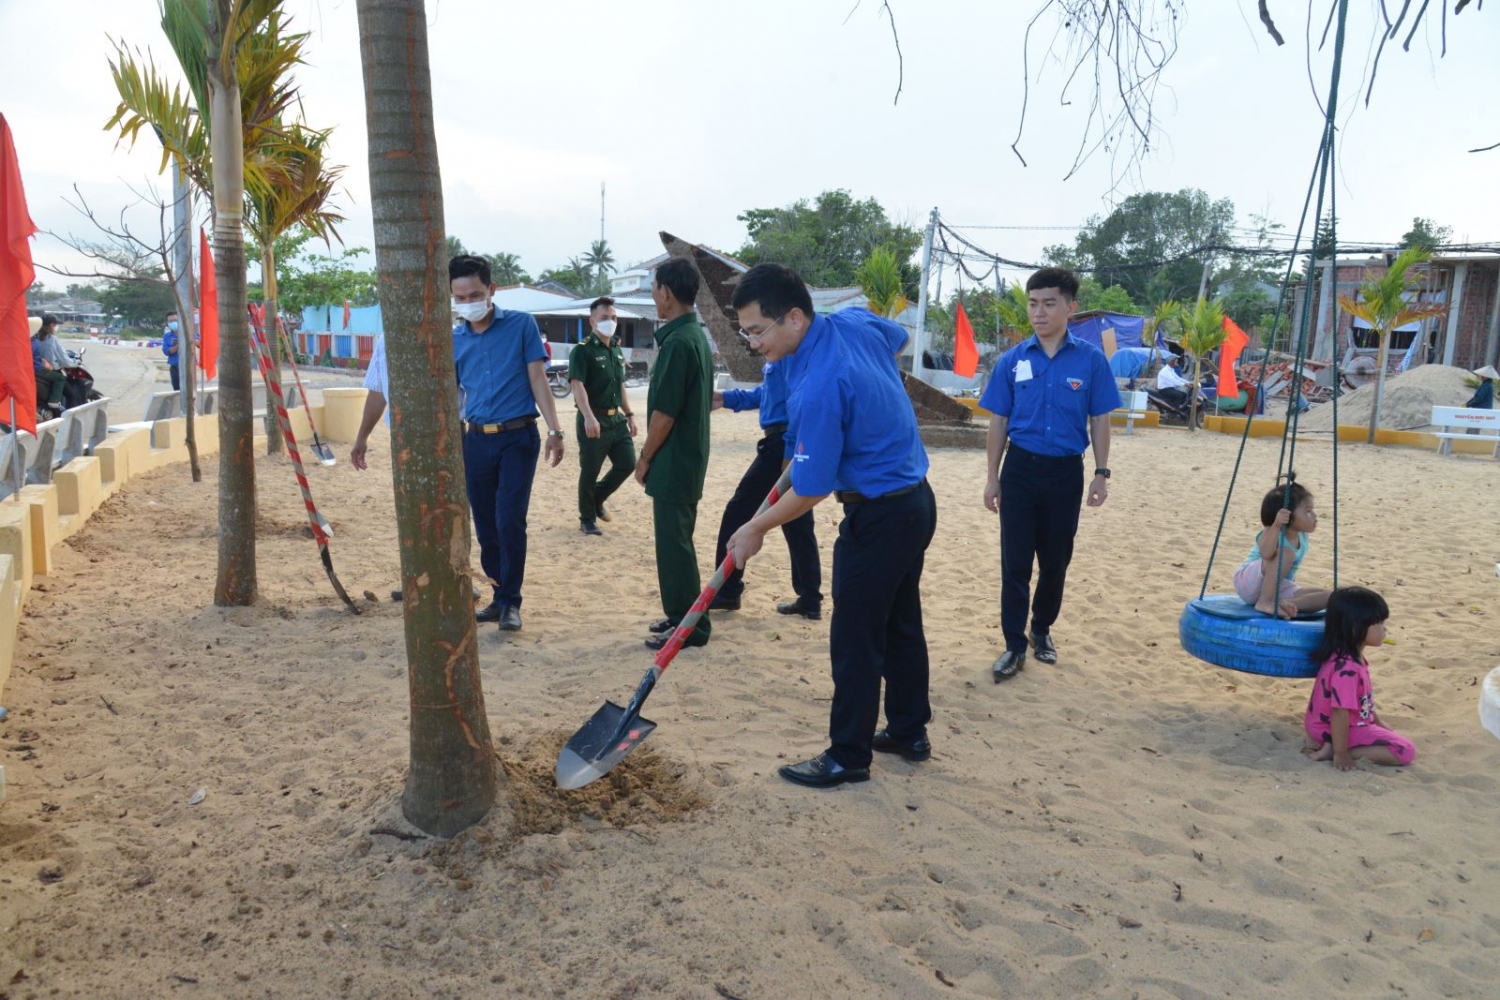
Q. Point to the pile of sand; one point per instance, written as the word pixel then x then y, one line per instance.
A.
pixel 1406 405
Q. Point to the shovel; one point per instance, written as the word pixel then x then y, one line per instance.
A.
pixel 321 451
pixel 613 732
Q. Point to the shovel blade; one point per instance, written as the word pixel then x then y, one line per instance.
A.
pixel 325 454
pixel 590 754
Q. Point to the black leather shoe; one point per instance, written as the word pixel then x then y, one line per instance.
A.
pixel 658 641
pixel 665 625
pixel 510 619
pixel 489 613
pixel 822 772
pixel 396 596
pixel 603 514
pixel 722 603
pixel 1009 664
pixel 798 608
pixel 1041 645
pixel 589 528
pixel 915 751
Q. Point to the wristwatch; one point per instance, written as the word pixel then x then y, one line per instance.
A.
pixel 1102 472
pixel 555 434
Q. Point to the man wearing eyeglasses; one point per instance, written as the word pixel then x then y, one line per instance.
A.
pixel 855 437
pixel 674 458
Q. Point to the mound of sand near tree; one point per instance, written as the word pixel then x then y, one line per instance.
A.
pixel 1406 405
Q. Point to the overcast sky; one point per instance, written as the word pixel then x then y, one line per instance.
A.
pixel 692 112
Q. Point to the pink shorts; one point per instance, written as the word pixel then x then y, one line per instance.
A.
pixel 1249 578
pixel 1369 736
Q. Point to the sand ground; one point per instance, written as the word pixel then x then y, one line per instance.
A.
pixel 1128 823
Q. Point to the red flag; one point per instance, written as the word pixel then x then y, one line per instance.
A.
pixel 17 378
pixel 965 351
pixel 1235 341
pixel 346 314
pixel 208 310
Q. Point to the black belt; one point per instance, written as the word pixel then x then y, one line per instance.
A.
pixel 509 425
pixel 851 496
pixel 774 428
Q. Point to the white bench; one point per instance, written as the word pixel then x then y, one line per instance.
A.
pixel 1487 422
pixel 1134 408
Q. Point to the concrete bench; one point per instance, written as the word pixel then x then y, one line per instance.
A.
pixel 83 427
pixel 28 446
pixel 162 405
pixel 1486 422
pixel 1134 408
pixel 44 459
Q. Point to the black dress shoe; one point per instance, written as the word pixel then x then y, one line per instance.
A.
pixel 510 619
pixel 798 608
pixel 658 641
pixel 603 514
pixel 915 750
pixel 665 625
pixel 1041 644
pixel 1009 664
pixel 489 613
pixel 396 596
pixel 822 772
pixel 722 603
pixel 589 528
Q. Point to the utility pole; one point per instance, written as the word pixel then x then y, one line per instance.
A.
pixel 919 343
pixel 1208 263
pixel 601 211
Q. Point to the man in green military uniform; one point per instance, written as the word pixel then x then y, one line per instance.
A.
pixel 674 457
pixel 596 369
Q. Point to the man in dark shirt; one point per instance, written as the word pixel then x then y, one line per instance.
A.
pixel 596 370
pixel 674 457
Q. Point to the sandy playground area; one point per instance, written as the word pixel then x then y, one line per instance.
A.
pixel 1128 823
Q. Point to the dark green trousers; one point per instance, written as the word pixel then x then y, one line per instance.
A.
pixel 614 444
pixel 677 563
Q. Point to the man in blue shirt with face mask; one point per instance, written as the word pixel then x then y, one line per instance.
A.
pixel 855 436
pixel 1049 395
pixel 501 369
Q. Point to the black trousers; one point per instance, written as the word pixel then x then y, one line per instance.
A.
pixel 1040 496
pixel 801 541
pixel 876 633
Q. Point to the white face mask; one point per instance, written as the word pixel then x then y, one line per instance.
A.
pixel 470 311
pixel 606 328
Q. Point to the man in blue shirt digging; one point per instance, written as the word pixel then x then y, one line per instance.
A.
pixel 852 433
pixel 1048 395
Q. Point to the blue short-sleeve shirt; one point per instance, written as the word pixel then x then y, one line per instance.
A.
pixel 491 367
pixel 1049 401
pixel 769 397
pixel 848 414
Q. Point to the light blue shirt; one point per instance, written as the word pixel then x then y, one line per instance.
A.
pixel 491 367
pixel 848 412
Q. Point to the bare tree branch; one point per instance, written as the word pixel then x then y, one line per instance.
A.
pixel 1265 18
pixel 900 60
pixel 1485 149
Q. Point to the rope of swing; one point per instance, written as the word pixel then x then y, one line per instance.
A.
pixel 1320 185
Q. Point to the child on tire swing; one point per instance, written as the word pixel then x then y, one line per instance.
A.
pixel 1265 578
pixel 1341 722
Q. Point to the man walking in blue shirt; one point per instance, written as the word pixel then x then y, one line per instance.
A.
pixel 1048 396
pixel 770 456
pixel 501 368
pixel 855 436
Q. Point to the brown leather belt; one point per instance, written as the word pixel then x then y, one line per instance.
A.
pixel 509 425
pixel 850 496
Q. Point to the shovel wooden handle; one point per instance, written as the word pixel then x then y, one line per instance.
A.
pixel 690 620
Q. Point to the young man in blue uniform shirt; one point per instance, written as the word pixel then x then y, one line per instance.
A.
pixel 1049 396
pixel 501 369
pixel 770 456
pixel 855 437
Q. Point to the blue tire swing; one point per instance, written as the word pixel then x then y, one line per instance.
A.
pixel 1222 629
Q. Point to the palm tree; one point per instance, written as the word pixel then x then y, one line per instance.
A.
pixel 452 777
pixel 506 269
pixel 1382 303
pixel 879 277
pixel 600 259
pixel 1015 313
pixel 1203 331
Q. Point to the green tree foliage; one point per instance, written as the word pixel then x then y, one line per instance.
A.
pixel 577 276
pixel 827 239
pixel 1426 234
pixel 314 280
pixel 601 259
pixel 506 269
pixel 1203 331
pixel 1247 305
pixel 456 247
pixel 139 303
pixel 1146 244
pixel 1092 295
pixel 879 277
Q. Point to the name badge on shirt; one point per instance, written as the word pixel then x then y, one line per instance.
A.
pixel 1023 370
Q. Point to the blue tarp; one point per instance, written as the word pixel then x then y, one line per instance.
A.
pixel 1091 327
pixel 1129 362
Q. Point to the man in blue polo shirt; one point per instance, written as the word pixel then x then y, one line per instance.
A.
pixel 770 456
pixel 501 368
pixel 855 436
pixel 1048 395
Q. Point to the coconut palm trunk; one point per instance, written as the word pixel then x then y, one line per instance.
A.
pixel 273 340
pixel 236 582
pixel 451 782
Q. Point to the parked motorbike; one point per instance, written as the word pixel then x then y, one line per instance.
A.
pixel 1174 406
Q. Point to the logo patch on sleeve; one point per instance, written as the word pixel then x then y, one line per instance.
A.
pixel 1075 384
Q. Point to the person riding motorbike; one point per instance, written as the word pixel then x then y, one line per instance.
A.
pixel 48 358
